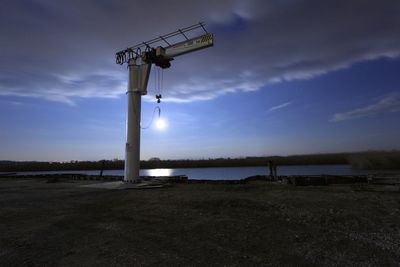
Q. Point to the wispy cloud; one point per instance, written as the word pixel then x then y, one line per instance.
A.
pixel 16 103
pixel 92 31
pixel 280 106
pixel 389 103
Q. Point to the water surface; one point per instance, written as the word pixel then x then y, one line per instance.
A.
pixel 225 173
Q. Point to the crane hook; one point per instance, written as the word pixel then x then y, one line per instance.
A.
pixel 158 97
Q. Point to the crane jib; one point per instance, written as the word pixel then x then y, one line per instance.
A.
pixel 190 45
pixel 162 55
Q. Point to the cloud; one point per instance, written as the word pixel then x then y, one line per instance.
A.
pixel 64 50
pixel 280 106
pixel 389 103
pixel 16 103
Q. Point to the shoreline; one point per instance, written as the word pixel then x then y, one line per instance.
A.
pixel 392 179
pixel 366 160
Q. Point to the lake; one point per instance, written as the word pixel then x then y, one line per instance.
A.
pixel 226 173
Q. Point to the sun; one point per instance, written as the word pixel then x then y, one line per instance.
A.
pixel 161 124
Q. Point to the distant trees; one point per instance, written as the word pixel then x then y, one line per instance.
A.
pixel 360 160
pixel 375 160
pixel 17 166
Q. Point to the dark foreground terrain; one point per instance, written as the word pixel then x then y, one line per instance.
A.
pixel 254 224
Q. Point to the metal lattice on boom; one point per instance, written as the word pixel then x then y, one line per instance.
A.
pixel 161 56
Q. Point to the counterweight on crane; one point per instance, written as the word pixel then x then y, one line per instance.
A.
pixel 139 64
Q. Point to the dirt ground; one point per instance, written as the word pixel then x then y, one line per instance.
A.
pixel 255 224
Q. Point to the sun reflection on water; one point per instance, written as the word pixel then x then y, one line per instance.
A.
pixel 159 172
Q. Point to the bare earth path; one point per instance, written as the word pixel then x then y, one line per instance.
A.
pixel 255 224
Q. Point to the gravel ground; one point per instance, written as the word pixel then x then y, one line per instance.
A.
pixel 254 224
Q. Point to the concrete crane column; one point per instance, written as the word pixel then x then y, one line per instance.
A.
pixel 137 86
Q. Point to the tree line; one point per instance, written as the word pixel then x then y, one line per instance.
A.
pixel 358 160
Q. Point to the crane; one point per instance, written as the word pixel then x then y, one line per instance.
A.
pixel 140 58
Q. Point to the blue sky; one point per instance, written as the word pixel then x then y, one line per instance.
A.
pixel 275 83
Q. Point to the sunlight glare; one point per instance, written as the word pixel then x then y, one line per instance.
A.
pixel 161 124
pixel 159 172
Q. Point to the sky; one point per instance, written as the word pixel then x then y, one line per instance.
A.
pixel 284 77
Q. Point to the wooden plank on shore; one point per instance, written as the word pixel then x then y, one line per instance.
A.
pixel 384 181
pixel 7 174
pixel 325 180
